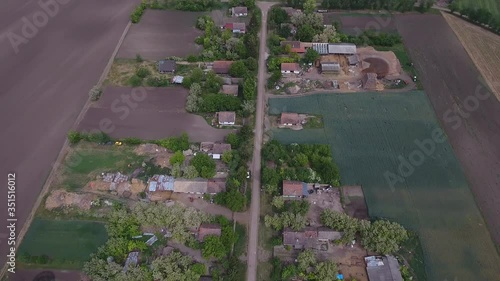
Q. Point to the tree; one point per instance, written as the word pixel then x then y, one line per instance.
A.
pixel 278 202
pixel 143 72
pixel 233 140
pixel 177 158
pixel 232 199
pixel 213 247
pixel 190 172
pixel 249 88
pixel 135 273
pixel 277 16
pixel 227 156
pixel 195 89
pixel 212 82
pixel 100 270
pixel 326 270
pixel 384 237
pixel 218 102
pixel 74 137
pixel 248 107
pixel 341 222
pixel 176 170
pixel 95 93
pixel 204 164
pixel 122 224
pixel 174 267
pixel 251 64
pixel 306 259
pixel 238 69
pixel 116 247
pixel 309 6
pixel 305 33
pixel 328 35
pixel 199 268
pixel 194 100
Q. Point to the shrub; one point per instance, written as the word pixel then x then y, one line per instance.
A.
pixel 99 137
pixel 143 72
pixel 74 137
pixel 135 81
pixel 138 58
pixel 131 141
pixel 192 58
pixel 136 15
pixel 157 81
pixel 95 93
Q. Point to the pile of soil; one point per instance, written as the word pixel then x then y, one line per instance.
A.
pixel 137 186
pixel 160 155
pixel 61 198
pixel 378 66
pixel 98 185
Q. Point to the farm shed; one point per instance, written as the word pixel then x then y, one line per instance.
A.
pixel 160 183
pixel 226 117
pixel 295 46
pixel 294 189
pixel 304 239
pixel 290 67
pixel 221 66
pixel 342 49
pixel 353 60
pixel 369 81
pixel 132 260
pixel 231 90
pixel 195 186
pixel 383 268
pixel 330 67
pixel 208 229
pixel 327 234
pixel 177 79
pixel 239 11
pixel 167 66
pixel 289 119
pixel 321 48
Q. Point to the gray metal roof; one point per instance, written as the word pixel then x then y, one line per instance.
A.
pixel 383 268
pixel 166 66
pixel 330 66
pixel 321 48
pixel 342 48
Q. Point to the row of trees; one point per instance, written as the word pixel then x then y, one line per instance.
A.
pixel 287 214
pixel 400 5
pixel 478 15
pixel 305 268
pixel 381 236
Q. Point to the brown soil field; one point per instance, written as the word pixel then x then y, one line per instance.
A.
pixel 162 34
pixel 482 46
pixel 356 24
pixel 149 114
pixel 45 85
pixel 470 116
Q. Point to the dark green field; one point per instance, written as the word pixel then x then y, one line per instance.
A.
pixel 367 133
pixel 493 6
pixel 68 244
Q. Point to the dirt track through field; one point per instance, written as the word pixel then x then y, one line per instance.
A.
pixel 46 84
pixel 482 46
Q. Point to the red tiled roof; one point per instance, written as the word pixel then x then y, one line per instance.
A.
pixel 227 117
pixel 292 188
pixel 289 118
pixel 290 66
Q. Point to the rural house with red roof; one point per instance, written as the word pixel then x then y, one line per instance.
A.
pixel 294 189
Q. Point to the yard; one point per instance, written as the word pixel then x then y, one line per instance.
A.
pixel 369 133
pixel 493 6
pixel 68 244
pixel 162 34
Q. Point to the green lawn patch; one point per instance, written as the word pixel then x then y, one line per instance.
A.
pixel 493 6
pixel 67 244
pixel 368 133
pixel 86 161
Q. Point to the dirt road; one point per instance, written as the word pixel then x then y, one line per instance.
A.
pixel 51 56
pixel 259 125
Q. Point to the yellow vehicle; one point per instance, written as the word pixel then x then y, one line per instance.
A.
pixel 118 143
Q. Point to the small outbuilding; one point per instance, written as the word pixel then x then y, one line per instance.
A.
pixel 294 189
pixel 369 81
pixel 221 66
pixel 380 268
pixel 194 186
pixel 236 27
pixel 231 90
pixel 330 67
pixel 353 60
pixel 226 117
pixel 167 66
pixel 206 229
pixel 295 46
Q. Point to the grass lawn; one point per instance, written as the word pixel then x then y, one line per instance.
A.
pixel 68 244
pixel 493 6
pixel 86 161
pixel 369 133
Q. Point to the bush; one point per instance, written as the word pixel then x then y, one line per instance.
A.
pixel 74 137
pixel 192 58
pixel 138 58
pixel 95 93
pixel 131 141
pixel 143 72
pixel 175 143
pixel 157 81
pixel 99 137
pixel 204 164
pixel 136 15
pixel 135 81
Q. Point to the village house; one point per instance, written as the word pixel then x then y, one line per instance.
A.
pixel 236 27
pixel 215 186
pixel 231 90
pixel 294 189
pixel 353 60
pixel 167 66
pixel 295 46
pixel 239 11
pixel 215 149
pixel 309 237
pixel 226 117
pixel 289 119
pixel 221 66
pixel 208 229
pixel 383 268
pixel 287 68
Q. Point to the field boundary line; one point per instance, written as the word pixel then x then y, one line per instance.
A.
pixel 63 151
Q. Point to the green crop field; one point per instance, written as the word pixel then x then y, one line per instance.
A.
pixel 491 5
pixel 92 159
pixel 68 244
pixel 369 133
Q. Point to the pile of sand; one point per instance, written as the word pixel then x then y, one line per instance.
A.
pixel 61 198
pixel 149 149
pixel 137 186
